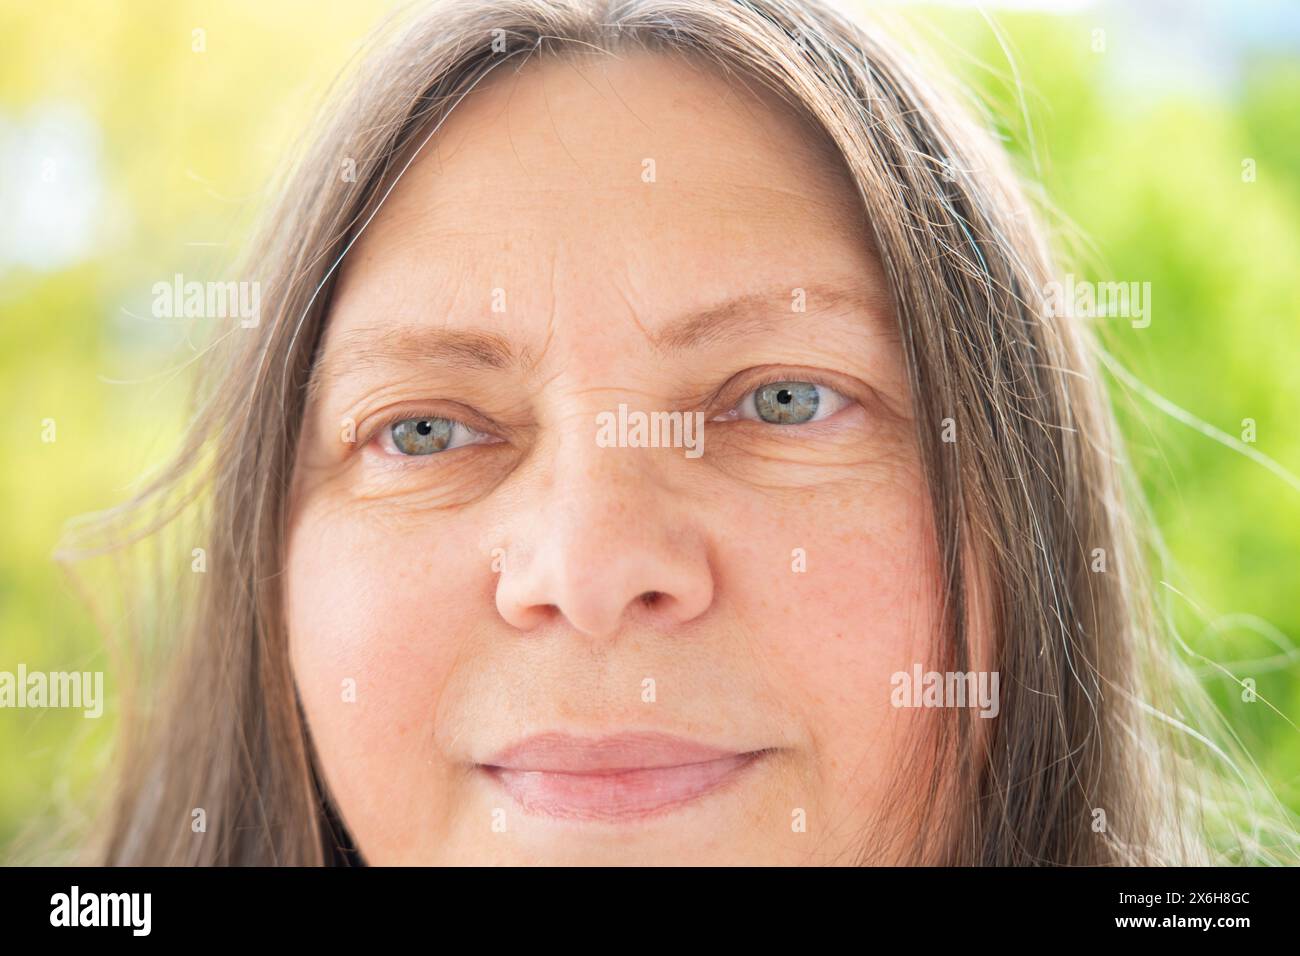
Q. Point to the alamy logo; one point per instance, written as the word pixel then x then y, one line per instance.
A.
pixel 1099 300
pixel 651 430
pixel 948 689
pixel 102 909
pixel 83 689
pixel 179 299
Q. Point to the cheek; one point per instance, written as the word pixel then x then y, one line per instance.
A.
pixel 362 622
pixel 850 599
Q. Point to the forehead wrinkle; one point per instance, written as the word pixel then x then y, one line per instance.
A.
pixel 632 313
pixel 781 209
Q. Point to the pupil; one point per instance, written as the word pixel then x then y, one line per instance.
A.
pixel 784 396
pixel 424 427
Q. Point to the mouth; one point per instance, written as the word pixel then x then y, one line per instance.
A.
pixel 613 779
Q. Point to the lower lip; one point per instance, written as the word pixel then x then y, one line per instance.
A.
pixel 618 795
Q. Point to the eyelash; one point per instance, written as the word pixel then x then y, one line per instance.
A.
pixel 383 430
pixel 384 427
pixel 793 375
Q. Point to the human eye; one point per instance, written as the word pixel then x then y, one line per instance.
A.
pixel 424 435
pixel 788 402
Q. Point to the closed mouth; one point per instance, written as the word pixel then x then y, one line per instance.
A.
pixel 613 779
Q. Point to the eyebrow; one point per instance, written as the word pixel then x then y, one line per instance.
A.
pixel 475 350
pixel 744 315
pixel 363 348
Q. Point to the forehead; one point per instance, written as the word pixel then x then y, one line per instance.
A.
pixel 640 186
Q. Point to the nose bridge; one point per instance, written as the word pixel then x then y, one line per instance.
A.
pixel 604 496
pixel 604 536
pixel 598 490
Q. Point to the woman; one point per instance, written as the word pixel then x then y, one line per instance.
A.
pixel 656 446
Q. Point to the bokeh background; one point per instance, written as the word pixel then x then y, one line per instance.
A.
pixel 1166 136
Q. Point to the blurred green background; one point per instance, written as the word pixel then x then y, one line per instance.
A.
pixel 127 155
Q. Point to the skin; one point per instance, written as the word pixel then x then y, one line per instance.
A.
pixel 495 590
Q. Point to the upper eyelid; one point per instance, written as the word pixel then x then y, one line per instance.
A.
pixel 369 431
pixel 743 383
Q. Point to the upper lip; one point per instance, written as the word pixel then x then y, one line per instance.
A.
pixel 563 753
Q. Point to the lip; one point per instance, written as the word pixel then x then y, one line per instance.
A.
pixel 618 778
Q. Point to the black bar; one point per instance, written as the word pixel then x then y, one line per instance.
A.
pixel 439 906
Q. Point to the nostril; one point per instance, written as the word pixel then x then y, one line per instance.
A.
pixel 651 598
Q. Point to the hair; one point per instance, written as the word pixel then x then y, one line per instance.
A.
pixel 1033 486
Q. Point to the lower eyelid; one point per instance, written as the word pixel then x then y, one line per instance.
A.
pixel 832 422
pixel 847 421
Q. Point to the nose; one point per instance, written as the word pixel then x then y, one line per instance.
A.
pixel 602 540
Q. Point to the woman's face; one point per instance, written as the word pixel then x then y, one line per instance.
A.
pixel 521 635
